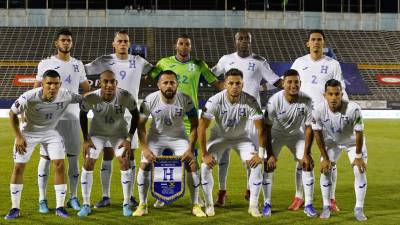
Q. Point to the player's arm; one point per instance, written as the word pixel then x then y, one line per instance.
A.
pixel 210 77
pixel 207 158
pixel 87 141
pixel 258 158
pixel 188 156
pixel 218 85
pixel 85 86
pixel 307 161
pixel 142 134
pixel 270 161
pixel 319 138
pixel 358 161
pixel 37 84
pixel 20 142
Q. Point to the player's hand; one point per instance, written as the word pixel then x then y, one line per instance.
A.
pixel 127 148
pixel 149 155
pixel 20 145
pixel 271 163
pixel 87 144
pixel 325 166
pixel 360 164
pixel 188 156
pixel 254 161
pixel 307 162
pixel 209 160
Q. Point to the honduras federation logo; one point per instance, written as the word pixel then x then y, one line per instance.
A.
pixel 168 178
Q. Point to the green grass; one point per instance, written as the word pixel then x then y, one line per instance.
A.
pixel 381 205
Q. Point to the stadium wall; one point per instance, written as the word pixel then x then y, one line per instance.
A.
pixel 199 19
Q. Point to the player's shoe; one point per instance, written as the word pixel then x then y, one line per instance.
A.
pixel 253 211
pixel 196 210
pixel 141 210
pixel 126 210
pixel 13 214
pixel 133 202
pixel 85 210
pixel 159 204
pixel 210 210
pixel 221 198
pixel 61 212
pixel 296 204
pixel 247 195
pixel 334 207
pixel 43 208
pixel 310 211
pixel 104 202
pixel 267 209
pixel 359 214
pixel 326 212
pixel 74 203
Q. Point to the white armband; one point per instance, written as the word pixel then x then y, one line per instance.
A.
pixel 358 156
pixel 261 152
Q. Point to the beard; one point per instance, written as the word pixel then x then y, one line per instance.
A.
pixel 168 94
pixel 65 51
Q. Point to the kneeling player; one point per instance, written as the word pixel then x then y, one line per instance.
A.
pixel 338 126
pixel 231 109
pixel 108 126
pixel 288 117
pixel 168 109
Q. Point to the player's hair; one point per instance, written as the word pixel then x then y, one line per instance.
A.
pixel 107 71
pixel 186 36
pixel 121 32
pixel 242 31
pixel 316 31
pixel 168 72
pixel 290 72
pixel 233 72
pixel 51 73
pixel 333 83
pixel 63 31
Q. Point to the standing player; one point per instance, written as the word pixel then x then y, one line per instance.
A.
pixel 73 77
pixel 168 109
pixel 128 70
pixel 42 108
pixel 254 68
pixel 288 118
pixel 231 108
pixel 108 105
pixel 315 69
pixel 338 126
pixel 188 70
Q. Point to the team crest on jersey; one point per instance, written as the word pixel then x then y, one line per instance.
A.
pixel 118 109
pixel 168 178
pixel 242 112
pixel 76 68
pixel 178 112
pixel 191 67
pixel 301 110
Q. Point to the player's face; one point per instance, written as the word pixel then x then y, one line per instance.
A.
pixel 291 85
pixel 168 85
pixel 51 86
pixel 316 42
pixel 183 47
pixel 121 44
pixel 108 85
pixel 243 42
pixel 64 43
pixel 233 85
pixel 334 96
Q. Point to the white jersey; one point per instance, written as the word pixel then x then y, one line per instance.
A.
pixel 231 119
pixel 288 118
pixel 254 68
pixel 42 116
pixel 72 74
pixel 338 127
pixel 314 75
pixel 167 119
pixel 108 117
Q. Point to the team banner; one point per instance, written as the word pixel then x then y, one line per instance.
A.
pixel 168 179
pixel 385 79
pixel 24 80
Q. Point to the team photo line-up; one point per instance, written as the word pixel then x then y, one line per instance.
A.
pixel 311 105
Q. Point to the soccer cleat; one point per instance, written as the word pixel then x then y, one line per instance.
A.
pixel 221 198
pixel 104 202
pixel 310 211
pixel 253 211
pixel 247 195
pixel 326 212
pixel 133 202
pixel 74 203
pixel 43 206
pixel 267 209
pixel 296 204
pixel 126 210
pixel 61 212
pixel 13 214
pixel 210 210
pixel 334 207
pixel 85 211
pixel 141 210
pixel 196 210
pixel 159 204
pixel 359 214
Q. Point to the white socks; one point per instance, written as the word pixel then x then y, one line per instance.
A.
pixel 223 170
pixel 15 191
pixel 267 186
pixel 334 178
pixel 308 184
pixel 298 180
pixel 143 181
pixel 86 185
pixel 193 181
pixel 326 187
pixel 43 176
pixel 132 165
pixel 360 186
pixel 126 181
pixel 207 181
pixel 61 192
pixel 105 175
pixel 73 174
pixel 255 182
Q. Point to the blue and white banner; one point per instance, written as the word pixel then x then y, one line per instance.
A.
pixel 168 179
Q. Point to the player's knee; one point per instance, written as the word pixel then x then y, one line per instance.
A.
pixel 19 168
pixel 124 163
pixel 145 166
pixel 59 165
pixel 89 164
pixel 132 156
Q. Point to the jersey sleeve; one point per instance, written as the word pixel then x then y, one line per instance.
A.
pixel 40 71
pixel 82 75
pixel 308 119
pixel 130 102
pixel 255 112
pixel 206 73
pixel 20 104
pixel 296 65
pixel 210 109
pixel 88 102
pixel 75 98
pixel 270 112
pixel 145 109
pixel 357 119
pixel 157 69
pixel 316 120
pixel 219 69
pixel 337 75
pixel 147 67
pixel 95 67
pixel 267 73
pixel 190 109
